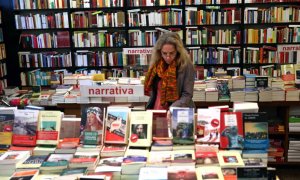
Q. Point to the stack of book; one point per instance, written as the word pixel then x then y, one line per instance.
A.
pixel 264 94
pixel 251 94
pixel 237 95
pixel 278 94
pixel 211 94
pixel 293 154
pixel 292 94
pixel 9 161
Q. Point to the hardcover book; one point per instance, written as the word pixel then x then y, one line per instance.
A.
pixel 208 125
pixel 48 127
pixel 183 125
pixel 116 125
pixel 231 129
pixel 25 127
pixel 140 129
pixel 254 173
pixel 92 124
pixel 256 130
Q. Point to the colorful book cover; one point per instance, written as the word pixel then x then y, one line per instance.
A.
pixel 25 127
pixel 48 127
pixel 57 160
pixel 183 125
pixel 256 130
pixel 181 172
pixel 231 129
pixel 230 159
pixel 92 120
pixel 32 162
pixel 116 127
pixel 208 125
pixel 6 128
pixel 30 174
pixel 140 129
pixel 206 158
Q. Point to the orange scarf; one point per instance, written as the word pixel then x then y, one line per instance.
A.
pixel 169 82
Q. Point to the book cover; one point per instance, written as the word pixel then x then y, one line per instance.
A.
pixel 183 157
pixel 24 175
pixel 209 172
pixel 48 127
pixel 231 129
pixel 248 173
pixel 206 158
pixel 13 157
pixel 92 124
pixel 160 128
pixel 32 162
pixel 261 81
pixel 208 125
pixel 230 159
pixel 57 160
pixel 6 128
pixel 181 172
pixel 183 125
pixel 25 127
pixel 140 129
pixel 116 125
pixel 113 150
pixel 256 130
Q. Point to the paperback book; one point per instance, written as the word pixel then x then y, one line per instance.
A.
pixel 256 130
pixel 6 128
pixel 208 125
pixel 92 124
pixel 25 127
pixel 116 125
pixel 231 129
pixel 49 124
pixel 183 125
pixel 140 129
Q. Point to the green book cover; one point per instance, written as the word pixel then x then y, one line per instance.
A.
pixel 90 138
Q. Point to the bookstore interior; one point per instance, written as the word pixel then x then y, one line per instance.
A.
pixel 75 70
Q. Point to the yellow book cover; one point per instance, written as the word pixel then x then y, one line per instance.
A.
pixel 230 158
pixel 140 129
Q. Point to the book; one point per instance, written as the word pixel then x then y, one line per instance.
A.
pixel 181 172
pixel 153 173
pixel 116 125
pixel 183 125
pixel 113 150
pixel 209 172
pixel 25 127
pixel 56 162
pixel 256 130
pixel 248 173
pixel 48 127
pixel 183 158
pixel 230 159
pixel 28 174
pixel 231 128
pixel 72 173
pixel 92 124
pixel 160 127
pixel 140 129
pixel 208 125
pixel 32 162
pixel 70 127
pixel 6 127
pixel 13 157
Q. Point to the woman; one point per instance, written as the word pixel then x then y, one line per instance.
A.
pixel 170 78
pixel 94 121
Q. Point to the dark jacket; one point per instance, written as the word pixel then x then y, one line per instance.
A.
pixel 185 88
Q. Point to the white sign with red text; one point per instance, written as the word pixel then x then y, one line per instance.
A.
pixel 112 91
pixel 137 50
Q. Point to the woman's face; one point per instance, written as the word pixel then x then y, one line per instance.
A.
pixel 168 52
pixel 92 120
pixel 139 129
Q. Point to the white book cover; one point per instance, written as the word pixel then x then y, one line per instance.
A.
pixel 208 125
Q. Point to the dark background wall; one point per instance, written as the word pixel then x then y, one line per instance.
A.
pixel 11 43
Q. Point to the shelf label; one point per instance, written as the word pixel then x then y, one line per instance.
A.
pixel 112 91
pixel 288 47
pixel 137 50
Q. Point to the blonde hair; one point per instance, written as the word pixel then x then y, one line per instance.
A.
pixel 182 57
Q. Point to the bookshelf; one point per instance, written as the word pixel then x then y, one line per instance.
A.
pixel 3 57
pixel 92 36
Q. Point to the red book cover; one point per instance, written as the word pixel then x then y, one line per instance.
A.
pixel 25 128
pixel 231 130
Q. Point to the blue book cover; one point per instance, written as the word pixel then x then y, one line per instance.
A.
pixel 183 125
pixel 255 131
